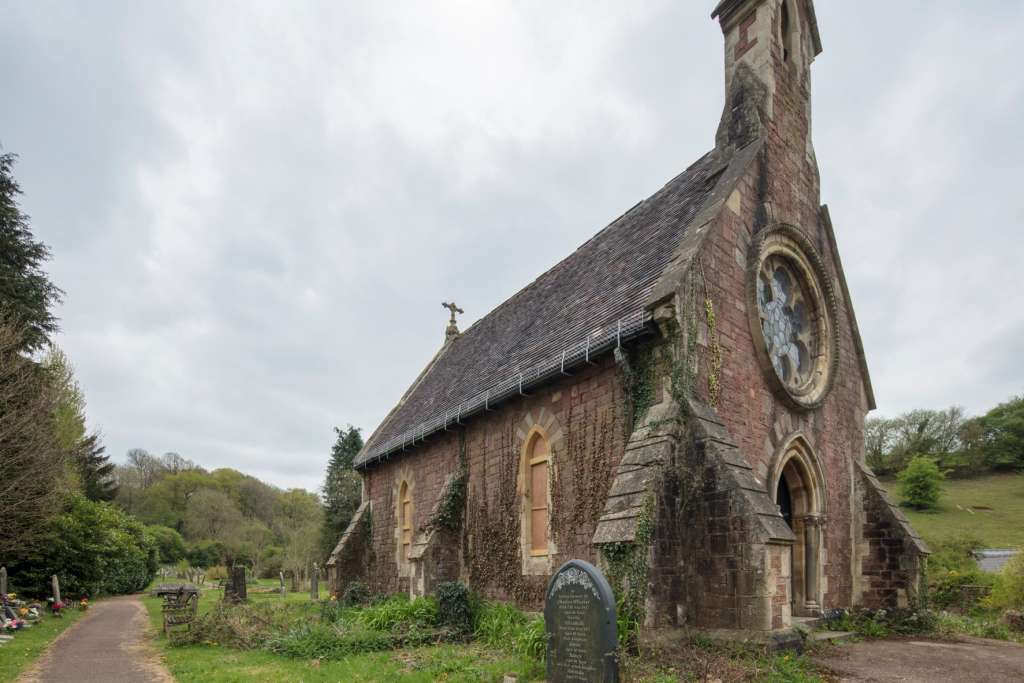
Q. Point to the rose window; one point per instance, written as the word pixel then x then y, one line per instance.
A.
pixel 787 311
pixel 792 311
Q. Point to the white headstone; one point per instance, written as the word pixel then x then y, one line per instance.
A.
pixel 56 588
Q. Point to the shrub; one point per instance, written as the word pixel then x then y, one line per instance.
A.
pixel 170 545
pixel 881 623
pixel 962 589
pixel 1008 591
pixel 453 607
pixel 356 594
pixel 94 548
pixel 954 555
pixel 921 483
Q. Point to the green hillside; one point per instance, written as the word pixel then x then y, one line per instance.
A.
pixel 989 508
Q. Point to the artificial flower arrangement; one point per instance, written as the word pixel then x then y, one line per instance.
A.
pixel 56 606
pixel 83 604
pixel 13 624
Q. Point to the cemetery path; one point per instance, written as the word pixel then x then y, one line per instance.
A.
pixel 915 660
pixel 107 645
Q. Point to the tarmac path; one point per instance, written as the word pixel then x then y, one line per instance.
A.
pixel 107 645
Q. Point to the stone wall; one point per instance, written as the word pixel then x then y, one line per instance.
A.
pixel 583 416
pixel 890 552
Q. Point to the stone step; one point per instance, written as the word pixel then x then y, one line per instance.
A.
pixel 832 636
pixel 808 623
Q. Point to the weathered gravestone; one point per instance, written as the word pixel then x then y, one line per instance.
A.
pixel 234 589
pixel 314 583
pixel 579 617
pixel 281 574
pixel 55 584
pixel 3 581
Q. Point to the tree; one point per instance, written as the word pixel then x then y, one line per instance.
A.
pixel 26 293
pixel 299 522
pixel 1003 435
pixel 342 487
pixel 95 469
pixel 149 468
pixel 32 463
pixel 70 410
pixel 212 515
pixel 921 483
pixel 169 543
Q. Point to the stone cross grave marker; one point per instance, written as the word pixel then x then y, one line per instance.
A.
pixel 55 584
pixel 579 618
pixel 314 583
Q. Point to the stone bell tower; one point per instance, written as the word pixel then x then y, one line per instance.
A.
pixel 769 48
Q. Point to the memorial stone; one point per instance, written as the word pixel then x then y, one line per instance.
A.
pixel 281 574
pixel 314 583
pixel 55 584
pixel 3 581
pixel 579 618
pixel 237 585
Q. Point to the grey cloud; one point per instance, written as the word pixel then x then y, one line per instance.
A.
pixel 257 208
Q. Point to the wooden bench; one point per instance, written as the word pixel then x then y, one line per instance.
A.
pixel 179 609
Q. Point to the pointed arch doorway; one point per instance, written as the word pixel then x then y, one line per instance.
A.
pixel 801 499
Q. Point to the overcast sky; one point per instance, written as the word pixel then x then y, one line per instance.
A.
pixel 256 208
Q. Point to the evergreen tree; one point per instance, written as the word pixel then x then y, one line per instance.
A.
pixel 26 293
pixel 342 487
pixel 95 469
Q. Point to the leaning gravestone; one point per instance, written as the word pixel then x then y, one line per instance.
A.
pixel 579 617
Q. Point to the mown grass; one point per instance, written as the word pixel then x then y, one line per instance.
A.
pixel 217 663
pixel 30 643
pixel 962 511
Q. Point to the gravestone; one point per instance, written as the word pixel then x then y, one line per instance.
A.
pixel 3 581
pixel 579 618
pixel 237 583
pixel 314 583
pixel 281 574
pixel 55 584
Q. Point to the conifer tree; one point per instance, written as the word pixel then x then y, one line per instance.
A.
pixel 26 293
pixel 95 469
pixel 342 487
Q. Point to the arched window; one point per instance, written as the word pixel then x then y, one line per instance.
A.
pixel 538 465
pixel 405 521
pixel 786 26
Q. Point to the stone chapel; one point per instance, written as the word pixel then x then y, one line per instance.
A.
pixel 680 401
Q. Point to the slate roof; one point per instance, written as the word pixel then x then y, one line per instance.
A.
pixel 583 297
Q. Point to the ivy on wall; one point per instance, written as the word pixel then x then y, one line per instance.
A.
pixel 583 472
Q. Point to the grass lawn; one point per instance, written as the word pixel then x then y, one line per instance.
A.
pixel 29 643
pixel 989 508
pixel 219 664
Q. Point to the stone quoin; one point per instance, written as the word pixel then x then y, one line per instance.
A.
pixel 680 401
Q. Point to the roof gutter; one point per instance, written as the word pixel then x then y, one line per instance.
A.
pixel 581 354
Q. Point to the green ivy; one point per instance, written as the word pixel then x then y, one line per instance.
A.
pixel 449 514
pixel 627 570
